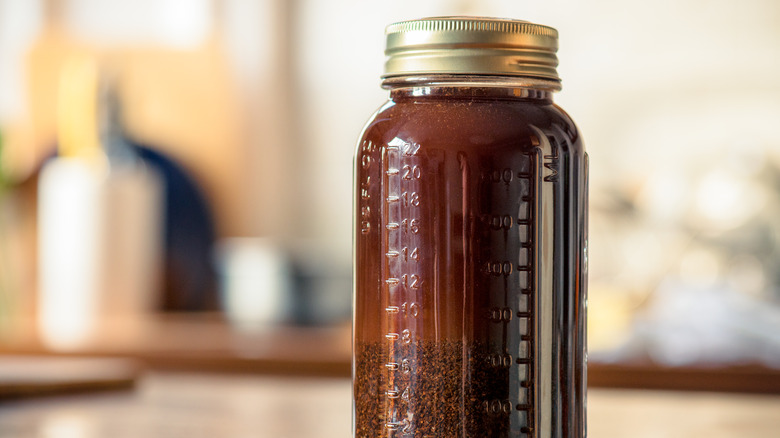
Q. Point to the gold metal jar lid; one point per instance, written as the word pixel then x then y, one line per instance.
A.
pixel 473 46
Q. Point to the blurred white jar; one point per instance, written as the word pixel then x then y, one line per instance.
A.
pixel 255 282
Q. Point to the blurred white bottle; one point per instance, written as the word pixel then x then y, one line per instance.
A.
pixel 99 220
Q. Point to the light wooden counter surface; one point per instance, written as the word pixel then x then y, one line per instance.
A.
pixel 168 405
pixel 205 342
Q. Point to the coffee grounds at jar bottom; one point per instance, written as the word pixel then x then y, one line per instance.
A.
pixel 451 389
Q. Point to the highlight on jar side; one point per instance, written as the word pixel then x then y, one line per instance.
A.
pixel 470 231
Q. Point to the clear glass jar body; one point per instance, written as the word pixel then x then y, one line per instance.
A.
pixel 470 263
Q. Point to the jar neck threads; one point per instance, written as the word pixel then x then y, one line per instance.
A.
pixel 454 86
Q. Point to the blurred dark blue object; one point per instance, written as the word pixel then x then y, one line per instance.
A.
pixel 189 275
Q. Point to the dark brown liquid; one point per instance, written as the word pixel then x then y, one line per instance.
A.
pixel 450 250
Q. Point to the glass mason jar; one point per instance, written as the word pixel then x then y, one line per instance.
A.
pixel 470 239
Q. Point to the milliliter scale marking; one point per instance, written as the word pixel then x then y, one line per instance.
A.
pixel 512 272
pixel 525 312
pixel 402 288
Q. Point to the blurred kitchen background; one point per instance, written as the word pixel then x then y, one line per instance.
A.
pixel 175 180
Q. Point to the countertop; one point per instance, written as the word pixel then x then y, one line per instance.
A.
pixel 192 405
pixel 207 343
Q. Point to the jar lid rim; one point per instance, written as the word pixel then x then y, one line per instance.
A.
pixel 471 45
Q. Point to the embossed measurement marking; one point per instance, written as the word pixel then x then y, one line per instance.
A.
pixel 400 270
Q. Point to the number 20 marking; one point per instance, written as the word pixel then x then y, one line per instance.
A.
pixel 409 172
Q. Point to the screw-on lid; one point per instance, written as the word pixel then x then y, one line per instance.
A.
pixel 473 46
